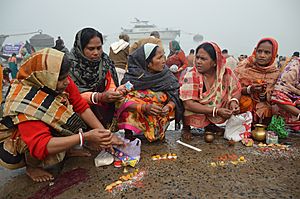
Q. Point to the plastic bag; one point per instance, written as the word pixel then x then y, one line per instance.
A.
pixel 237 125
pixel 130 153
pixel 103 158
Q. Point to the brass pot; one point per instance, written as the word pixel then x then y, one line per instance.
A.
pixel 209 137
pixel 259 133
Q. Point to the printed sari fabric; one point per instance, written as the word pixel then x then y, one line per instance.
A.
pixel 248 72
pixel 153 127
pixel 287 92
pixel 225 87
pixel 32 97
pixel 150 88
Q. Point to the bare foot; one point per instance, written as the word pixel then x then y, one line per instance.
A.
pixel 78 153
pixel 38 174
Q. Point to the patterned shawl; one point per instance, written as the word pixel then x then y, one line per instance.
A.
pixel 287 88
pixel 32 95
pixel 142 79
pixel 248 72
pixel 224 88
pixel 90 75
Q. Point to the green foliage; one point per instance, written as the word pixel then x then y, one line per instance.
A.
pixel 278 126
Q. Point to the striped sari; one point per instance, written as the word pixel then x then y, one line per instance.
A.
pixel 32 97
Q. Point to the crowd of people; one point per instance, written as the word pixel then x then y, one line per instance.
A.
pixel 59 99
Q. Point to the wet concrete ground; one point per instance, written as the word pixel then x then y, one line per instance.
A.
pixel 263 175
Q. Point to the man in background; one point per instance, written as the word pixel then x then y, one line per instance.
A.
pixel 118 53
pixel 154 39
pixel 230 60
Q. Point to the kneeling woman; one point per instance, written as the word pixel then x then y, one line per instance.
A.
pixel 210 91
pixel 39 123
pixel 257 75
pixel 148 108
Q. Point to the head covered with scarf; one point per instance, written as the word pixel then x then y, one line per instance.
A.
pixel 139 75
pixel 225 85
pixel 89 75
pixel 174 47
pixel 33 94
pixel 249 72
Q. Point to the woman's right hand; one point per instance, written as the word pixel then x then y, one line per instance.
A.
pixel 225 113
pixel 258 88
pixel 111 96
pixel 99 138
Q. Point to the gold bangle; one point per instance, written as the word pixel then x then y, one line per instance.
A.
pixel 139 108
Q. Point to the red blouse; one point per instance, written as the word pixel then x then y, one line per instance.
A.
pixel 36 134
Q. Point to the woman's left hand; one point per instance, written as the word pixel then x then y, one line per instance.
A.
pixel 116 140
pixel 235 107
pixel 122 90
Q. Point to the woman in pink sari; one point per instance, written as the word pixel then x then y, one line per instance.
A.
pixel 286 94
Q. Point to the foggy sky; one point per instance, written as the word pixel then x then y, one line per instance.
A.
pixel 236 25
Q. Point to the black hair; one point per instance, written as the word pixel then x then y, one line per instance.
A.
pixel 192 51
pixel 59 44
pixel 87 34
pixel 264 41
pixel 125 37
pixel 14 54
pixel 65 66
pixel 152 54
pixel 209 49
pixel 155 34
pixel 224 51
pixel 296 54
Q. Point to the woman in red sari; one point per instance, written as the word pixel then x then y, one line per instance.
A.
pixel 210 91
pixel 178 58
pixel 257 75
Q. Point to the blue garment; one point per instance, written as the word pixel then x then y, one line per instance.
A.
pixel 14 69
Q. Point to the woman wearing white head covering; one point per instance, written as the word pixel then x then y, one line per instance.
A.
pixel 154 99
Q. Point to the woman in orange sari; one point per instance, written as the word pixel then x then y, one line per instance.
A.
pixel 43 114
pixel 210 91
pixel 257 75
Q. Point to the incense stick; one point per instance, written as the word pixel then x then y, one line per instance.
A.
pixel 189 146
